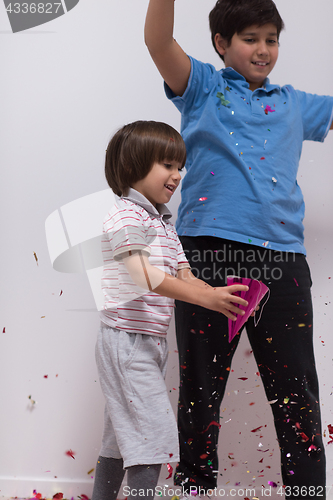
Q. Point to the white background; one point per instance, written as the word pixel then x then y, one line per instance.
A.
pixel 65 88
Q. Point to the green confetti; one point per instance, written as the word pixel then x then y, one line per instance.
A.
pixel 224 102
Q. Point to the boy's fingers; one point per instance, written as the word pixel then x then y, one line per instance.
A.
pixel 238 288
pixel 239 300
pixel 236 310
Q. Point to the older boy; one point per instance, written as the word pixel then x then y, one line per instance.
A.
pixel 244 137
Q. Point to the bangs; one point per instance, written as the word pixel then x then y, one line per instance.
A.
pixel 170 147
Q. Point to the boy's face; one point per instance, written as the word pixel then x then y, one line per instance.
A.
pixel 160 183
pixel 252 53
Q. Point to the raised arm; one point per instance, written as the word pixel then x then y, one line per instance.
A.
pixel 170 59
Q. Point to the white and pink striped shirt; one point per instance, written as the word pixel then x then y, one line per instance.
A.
pixel 135 224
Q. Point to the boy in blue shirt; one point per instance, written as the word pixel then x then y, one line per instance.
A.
pixel 242 213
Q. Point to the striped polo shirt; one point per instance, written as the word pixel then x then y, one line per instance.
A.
pixel 135 224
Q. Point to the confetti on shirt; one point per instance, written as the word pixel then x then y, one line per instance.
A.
pixel 224 102
pixel 268 109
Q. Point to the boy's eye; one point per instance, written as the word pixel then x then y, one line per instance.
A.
pixel 167 165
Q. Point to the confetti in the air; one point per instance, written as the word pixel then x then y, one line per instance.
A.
pixel 70 453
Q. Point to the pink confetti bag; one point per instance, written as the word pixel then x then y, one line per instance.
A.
pixel 257 290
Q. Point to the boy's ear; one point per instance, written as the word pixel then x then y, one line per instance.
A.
pixel 220 44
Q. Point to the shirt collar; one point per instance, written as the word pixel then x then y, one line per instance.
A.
pixel 231 74
pixel 134 196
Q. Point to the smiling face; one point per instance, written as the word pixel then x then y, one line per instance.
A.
pixel 252 53
pixel 160 183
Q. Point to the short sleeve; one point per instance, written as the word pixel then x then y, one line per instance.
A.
pixel 203 77
pixel 317 115
pixel 127 233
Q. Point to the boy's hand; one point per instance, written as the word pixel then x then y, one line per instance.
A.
pixel 222 300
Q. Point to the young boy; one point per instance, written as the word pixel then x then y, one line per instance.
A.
pixel 144 270
pixel 244 138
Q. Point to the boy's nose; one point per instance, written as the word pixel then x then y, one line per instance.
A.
pixel 262 48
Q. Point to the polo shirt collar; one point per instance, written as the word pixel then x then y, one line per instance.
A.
pixel 232 75
pixel 134 196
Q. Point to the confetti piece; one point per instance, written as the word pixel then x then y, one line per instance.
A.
pixel 212 423
pixel 330 428
pixel 265 244
pixel 271 483
pixel 256 429
pixel 274 180
pixel 304 437
pixel 36 258
pixel 4 330
pixel 58 496
pixel 170 470
pixel 224 102
pixel 33 402
pixel 262 158
pixel 296 282
pixel 90 471
pixel 273 401
pixel 312 448
pixel 212 173
pixel 70 453
pixel 242 378
pixel 268 109
pixel 61 292
pixel 202 199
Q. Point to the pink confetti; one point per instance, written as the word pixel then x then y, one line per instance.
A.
pixel 271 483
pixel 202 199
pixel 312 448
pixel 170 469
pixel 296 282
pixel 268 109
pixel 70 453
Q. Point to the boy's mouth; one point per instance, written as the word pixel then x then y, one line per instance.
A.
pixel 170 187
pixel 260 63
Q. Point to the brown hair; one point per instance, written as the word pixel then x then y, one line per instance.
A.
pixel 134 149
pixel 233 16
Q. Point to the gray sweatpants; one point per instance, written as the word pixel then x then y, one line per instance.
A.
pixel 139 423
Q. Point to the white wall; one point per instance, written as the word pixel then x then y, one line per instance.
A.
pixel 65 87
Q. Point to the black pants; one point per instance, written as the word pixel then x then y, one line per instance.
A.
pixel 283 349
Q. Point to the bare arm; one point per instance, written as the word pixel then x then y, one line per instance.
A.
pixel 189 289
pixel 170 59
